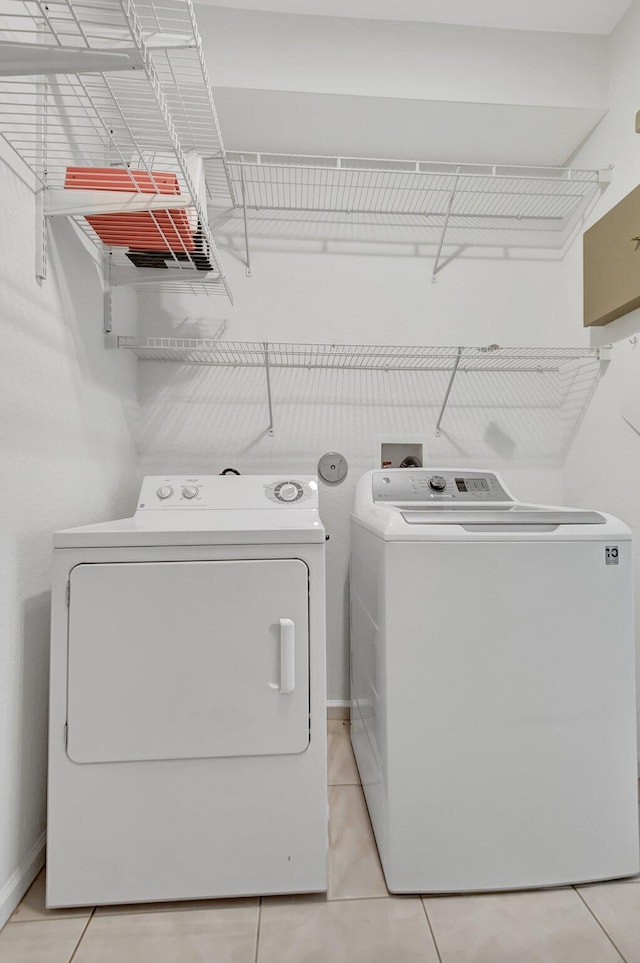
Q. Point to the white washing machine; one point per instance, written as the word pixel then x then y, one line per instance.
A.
pixel 493 711
pixel 188 713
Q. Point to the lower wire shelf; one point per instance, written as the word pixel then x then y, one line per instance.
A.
pixel 492 377
pixel 362 357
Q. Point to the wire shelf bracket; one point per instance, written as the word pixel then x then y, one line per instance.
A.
pixel 107 303
pixel 40 154
pixel 448 391
pixel 437 266
pixel 243 194
pixel 267 371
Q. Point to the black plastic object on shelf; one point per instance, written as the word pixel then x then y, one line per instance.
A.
pixel 199 257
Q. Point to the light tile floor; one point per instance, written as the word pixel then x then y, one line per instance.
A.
pixel 357 921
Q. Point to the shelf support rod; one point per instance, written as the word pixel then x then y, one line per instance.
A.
pixel 448 391
pixel 107 319
pixel 437 267
pixel 267 371
pixel 42 90
pixel 244 217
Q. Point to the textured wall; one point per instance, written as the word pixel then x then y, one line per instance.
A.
pixel 67 458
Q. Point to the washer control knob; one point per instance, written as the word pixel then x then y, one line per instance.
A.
pixel 189 491
pixel 288 492
pixel 437 483
pixel 165 491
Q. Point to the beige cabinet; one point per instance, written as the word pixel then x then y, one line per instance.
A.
pixel 612 263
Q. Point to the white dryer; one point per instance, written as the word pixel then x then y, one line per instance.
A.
pixel 493 711
pixel 188 713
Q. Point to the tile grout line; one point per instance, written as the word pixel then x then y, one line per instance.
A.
pixel 350 899
pixel 258 928
pixel 82 935
pixel 433 935
pixel 584 903
pixel 48 919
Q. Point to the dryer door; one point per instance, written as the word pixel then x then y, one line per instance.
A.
pixel 177 660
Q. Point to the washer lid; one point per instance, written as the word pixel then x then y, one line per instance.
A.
pixel 467 505
pixel 516 514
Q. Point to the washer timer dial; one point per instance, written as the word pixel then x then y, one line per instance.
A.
pixel 437 483
pixel 165 491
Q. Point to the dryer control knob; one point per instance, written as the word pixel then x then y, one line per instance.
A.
pixel 437 483
pixel 165 491
pixel 189 491
pixel 289 492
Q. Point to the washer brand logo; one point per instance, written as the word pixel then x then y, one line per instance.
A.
pixel 611 555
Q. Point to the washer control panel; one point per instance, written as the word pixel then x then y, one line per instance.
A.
pixel 232 492
pixel 436 484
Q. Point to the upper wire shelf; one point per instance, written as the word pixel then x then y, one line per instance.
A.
pixel 353 357
pixel 350 185
pixel 411 201
pixel 141 118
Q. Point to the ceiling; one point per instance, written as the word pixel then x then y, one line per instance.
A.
pixel 572 16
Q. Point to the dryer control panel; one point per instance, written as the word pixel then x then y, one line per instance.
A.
pixel 228 492
pixel 439 485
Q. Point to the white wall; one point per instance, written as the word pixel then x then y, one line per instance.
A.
pixel 276 121
pixel 378 88
pixel 603 467
pixel 199 419
pixel 247 48
pixel 67 459
pixel 587 16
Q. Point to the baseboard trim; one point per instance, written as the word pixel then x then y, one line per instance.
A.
pixel 338 709
pixel 21 879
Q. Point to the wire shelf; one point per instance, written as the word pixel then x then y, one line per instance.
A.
pixel 140 120
pixel 346 185
pixel 499 393
pixel 474 203
pixel 354 357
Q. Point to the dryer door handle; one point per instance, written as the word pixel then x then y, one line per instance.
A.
pixel 287 656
